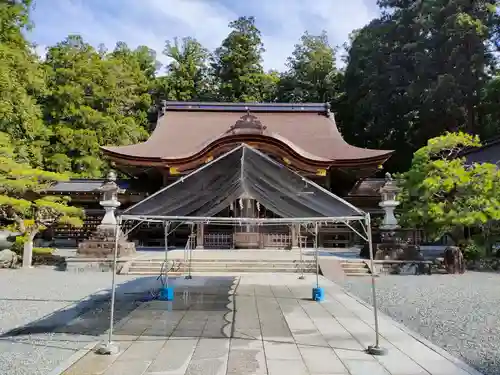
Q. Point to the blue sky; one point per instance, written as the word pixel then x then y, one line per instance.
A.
pixel 151 22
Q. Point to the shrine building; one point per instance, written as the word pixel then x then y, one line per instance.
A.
pixel 189 135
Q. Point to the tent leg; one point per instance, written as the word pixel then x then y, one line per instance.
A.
pixel 190 254
pixel 318 293
pixel 373 349
pixel 109 347
pixel 166 292
pixel 301 277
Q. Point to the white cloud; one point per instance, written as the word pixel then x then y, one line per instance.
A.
pixel 151 22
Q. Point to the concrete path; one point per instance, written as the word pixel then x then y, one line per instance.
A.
pixel 262 324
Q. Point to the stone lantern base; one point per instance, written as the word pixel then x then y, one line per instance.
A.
pixel 102 245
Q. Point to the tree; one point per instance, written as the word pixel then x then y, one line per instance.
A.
pixel 312 75
pixel 21 81
pixel 187 73
pixel 95 99
pixel 489 110
pixel 268 89
pixel 22 200
pixel 142 55
pixel 442 194
pixel 417 72
pixel 237 63
pixel 14 17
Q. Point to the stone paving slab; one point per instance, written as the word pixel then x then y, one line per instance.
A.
pixel 263 325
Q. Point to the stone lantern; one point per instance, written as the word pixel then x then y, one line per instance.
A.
pixel 109 201
pixel 101 243
pixel 393 246
pixel 389 202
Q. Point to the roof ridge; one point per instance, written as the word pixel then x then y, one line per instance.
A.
pixel 322 108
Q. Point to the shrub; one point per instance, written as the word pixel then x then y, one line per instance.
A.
pixel 472 250
pixel 18 246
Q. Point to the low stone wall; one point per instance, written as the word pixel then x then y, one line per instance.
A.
pixel 488 264
pixel 387 268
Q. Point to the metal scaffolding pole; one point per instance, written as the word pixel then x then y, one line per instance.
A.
pixel 109 347
pixel 301 277
pixel 166 227
pixel 316 251
pixel 190 252
pixel 373 349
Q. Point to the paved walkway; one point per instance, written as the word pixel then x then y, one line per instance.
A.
pixel 262 324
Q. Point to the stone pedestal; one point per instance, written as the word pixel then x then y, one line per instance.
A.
pixel 394 247
pixel 389 222
pixel 102 245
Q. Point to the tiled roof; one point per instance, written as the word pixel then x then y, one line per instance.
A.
pixel 83 185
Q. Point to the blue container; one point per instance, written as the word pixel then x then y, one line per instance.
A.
pixel 166 294
pixel 318 294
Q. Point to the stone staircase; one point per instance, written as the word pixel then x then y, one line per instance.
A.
pixel 355 267
pixel 230 266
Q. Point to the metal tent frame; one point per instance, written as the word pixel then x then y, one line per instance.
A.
pixel 109 347
pixel 357 216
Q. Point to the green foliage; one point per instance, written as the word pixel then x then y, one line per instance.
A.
pixel 187 73
pixel 441 194
pixel 417 71
pixel 472 250
pixel 237 63
pixel 95 99
pixel 312 75
pixel 20 79
pixel 22 201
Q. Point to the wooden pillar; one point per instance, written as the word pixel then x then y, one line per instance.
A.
pixel 328 182
pixel 200 232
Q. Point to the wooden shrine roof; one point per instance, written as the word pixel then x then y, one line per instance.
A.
pixel 187 130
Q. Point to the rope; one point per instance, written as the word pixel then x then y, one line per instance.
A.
pixel 155 293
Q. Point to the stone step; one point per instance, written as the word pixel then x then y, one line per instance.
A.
pixel 215 265
pixel 222 264
pixel 226 260
pixel 150 271
pixel 353 265
pixel 224 268
pixel 355 268
pixel 206 273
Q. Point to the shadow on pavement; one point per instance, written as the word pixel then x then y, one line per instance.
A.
pixel 135 312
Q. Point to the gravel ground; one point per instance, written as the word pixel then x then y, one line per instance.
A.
pixel 459 313
pixel 31 296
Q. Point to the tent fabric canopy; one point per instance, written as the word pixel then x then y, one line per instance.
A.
pixel 244 172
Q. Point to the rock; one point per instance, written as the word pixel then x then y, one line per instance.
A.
pixel 8 259
pixel 7 239
pixel 454 260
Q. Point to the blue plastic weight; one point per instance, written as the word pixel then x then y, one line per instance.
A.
pixel 318 294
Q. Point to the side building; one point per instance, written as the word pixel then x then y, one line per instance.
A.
pixel 302 137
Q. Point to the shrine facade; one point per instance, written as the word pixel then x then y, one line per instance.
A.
pixel 302 137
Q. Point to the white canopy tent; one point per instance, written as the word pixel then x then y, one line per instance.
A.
pixel 245 171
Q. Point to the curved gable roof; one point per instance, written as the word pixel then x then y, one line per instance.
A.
pixel 186 129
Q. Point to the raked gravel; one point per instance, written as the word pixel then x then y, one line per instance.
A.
pixel 30 295
pixel 459 313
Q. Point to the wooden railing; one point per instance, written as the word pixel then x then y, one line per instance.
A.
pixel 218 241
pixel 276 241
